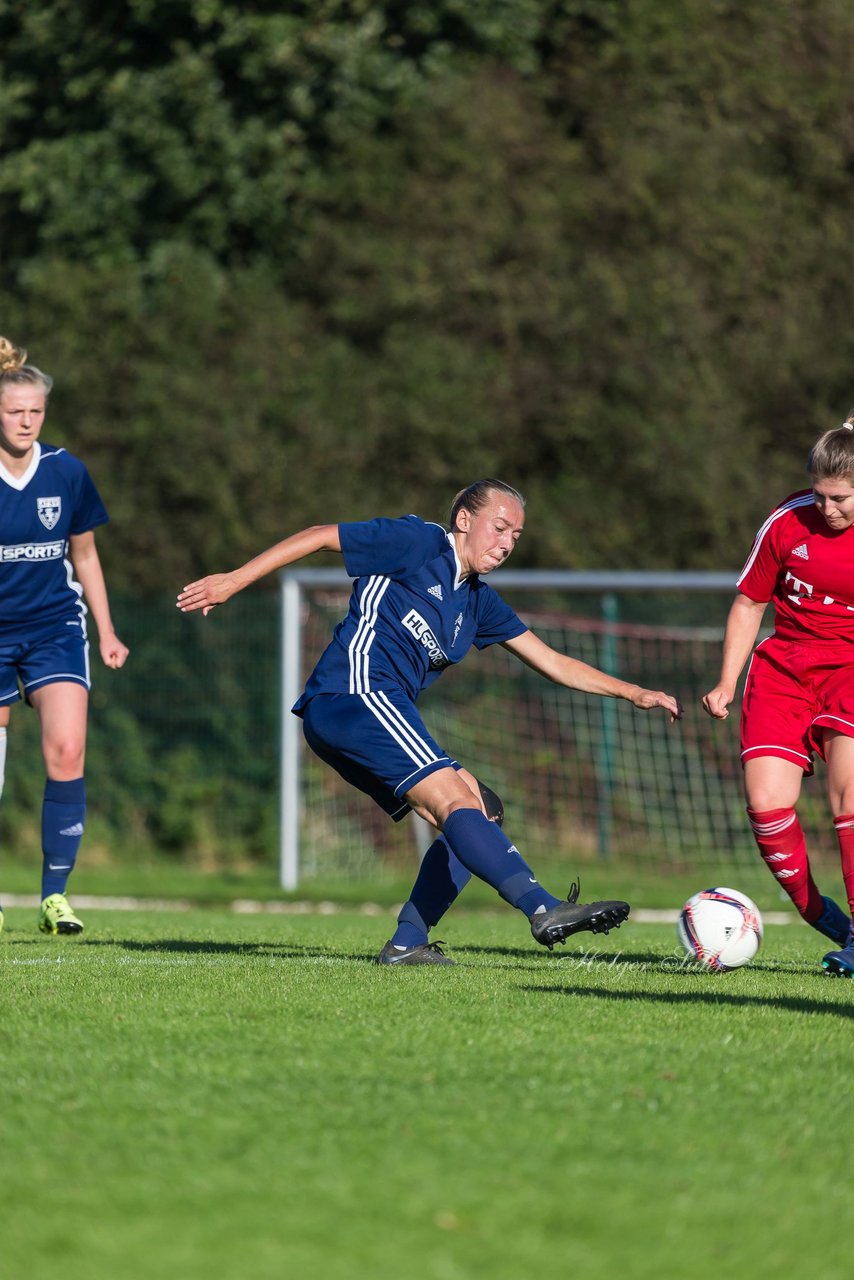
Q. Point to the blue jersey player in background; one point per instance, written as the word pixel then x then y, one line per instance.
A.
pixel 49 509
pixel 418 605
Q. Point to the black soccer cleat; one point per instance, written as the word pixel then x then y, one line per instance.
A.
pixel 572 916
pixel 840 964
pixel 425 953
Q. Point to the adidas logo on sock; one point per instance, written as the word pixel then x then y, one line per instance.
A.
pixel 76 830
pixel 801 551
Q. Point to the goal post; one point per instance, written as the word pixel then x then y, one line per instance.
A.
pixel 579 775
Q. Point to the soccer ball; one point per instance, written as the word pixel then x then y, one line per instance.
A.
pixel 720 928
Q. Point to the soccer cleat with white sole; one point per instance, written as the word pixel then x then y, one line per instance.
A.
pixel 56 916
pixel 565 918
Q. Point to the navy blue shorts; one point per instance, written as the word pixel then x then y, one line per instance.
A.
pixel 59 652
pixel 376 741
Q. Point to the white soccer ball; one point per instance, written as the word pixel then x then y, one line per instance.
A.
pixel 720 928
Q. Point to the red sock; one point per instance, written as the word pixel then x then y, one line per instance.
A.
pixel 783 847
pixel 844 825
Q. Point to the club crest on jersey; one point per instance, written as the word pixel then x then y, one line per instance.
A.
pixel 49 510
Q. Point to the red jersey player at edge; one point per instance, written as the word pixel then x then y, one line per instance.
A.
pixel 418 605
pixel 49 509
pixel 799 692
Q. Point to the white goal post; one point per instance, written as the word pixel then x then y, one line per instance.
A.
pixel 578 774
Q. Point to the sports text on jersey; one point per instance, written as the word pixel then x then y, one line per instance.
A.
pixel 32 551
pixel 804 591
pixel 419 628
pixel 410 614
pixel 41 511
pixel 807 569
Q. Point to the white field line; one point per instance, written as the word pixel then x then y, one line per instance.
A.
pixel 248 907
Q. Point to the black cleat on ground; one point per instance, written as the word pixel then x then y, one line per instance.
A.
pixel 572 916
pixel 426 953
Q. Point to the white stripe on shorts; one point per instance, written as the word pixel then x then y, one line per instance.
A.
pixel 419 751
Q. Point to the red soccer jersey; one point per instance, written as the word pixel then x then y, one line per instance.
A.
pixel 807 569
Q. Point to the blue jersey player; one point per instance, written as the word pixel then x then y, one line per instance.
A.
pixel 418 605
pixel 49 509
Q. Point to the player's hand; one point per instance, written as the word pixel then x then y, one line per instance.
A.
pixel 717 702
pixel 113 653
pixel 207 593
pixel 647 699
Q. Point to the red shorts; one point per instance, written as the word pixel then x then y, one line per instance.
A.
pixel 792 693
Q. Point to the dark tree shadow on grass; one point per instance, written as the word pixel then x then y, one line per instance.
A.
pixel 201 947
pixel 592 957
pixel 576 954
pixel 513 953
pixel 522 958
pixel 787 1004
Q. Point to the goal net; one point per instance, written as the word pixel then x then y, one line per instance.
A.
pixel 580 776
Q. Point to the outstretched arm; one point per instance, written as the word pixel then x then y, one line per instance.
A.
pixel 742 628
pixel 207 593
pixel 574 674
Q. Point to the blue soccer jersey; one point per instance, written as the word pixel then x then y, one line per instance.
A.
pixel 411 612
pixel 39 512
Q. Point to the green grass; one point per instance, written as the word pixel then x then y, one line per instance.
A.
pixel 642 884
pixel 205 1094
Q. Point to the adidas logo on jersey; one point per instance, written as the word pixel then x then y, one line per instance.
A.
pixel 802 551
pixel 435 591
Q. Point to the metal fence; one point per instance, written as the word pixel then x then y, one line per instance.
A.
pixel 596 773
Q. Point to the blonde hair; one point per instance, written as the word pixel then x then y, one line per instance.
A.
pixel 14 369
pixel 832 455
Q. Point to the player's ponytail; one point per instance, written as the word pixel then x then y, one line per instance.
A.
pixel 12 358
pixel 832 455
pixel 14 368
pixel 476 495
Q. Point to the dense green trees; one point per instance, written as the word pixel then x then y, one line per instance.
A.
pixel 296 261
pixel 293 262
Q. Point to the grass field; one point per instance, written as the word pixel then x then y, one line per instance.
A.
pixel 204 1094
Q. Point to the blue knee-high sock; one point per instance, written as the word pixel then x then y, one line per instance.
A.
pixel 440 881
pixel 63 818
pixel 483 848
